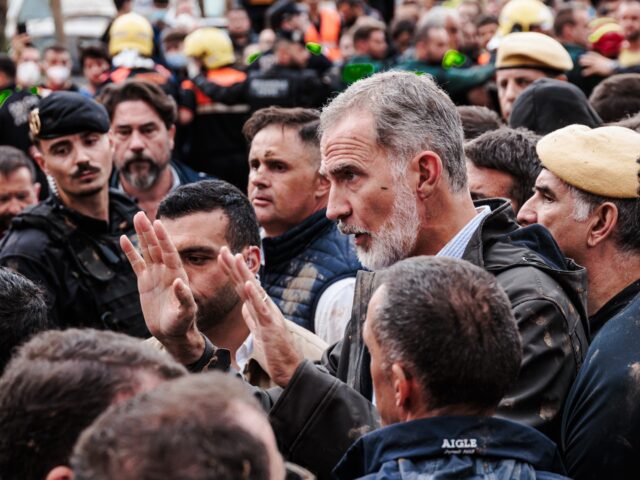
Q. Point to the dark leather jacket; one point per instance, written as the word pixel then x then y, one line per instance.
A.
pixel 327 407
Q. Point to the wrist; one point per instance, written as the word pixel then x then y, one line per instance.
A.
pixel 186 349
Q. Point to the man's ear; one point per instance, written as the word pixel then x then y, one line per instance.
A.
pixel 60 473
pixel 428 166
pixel 402 387
pixel 252 257
pixel 602 224
pixel 322 186
pixel 36 188
pixel 37 156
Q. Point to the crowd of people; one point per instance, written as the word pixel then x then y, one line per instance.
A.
pixel 350 239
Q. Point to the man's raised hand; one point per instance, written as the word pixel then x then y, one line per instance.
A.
pixel 167 302
pixel 264 319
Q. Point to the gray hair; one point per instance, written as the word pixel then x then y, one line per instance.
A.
pixel 626 231
pixel 451 324
pixel 411 114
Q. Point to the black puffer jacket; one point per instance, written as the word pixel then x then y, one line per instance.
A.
pixel 326 408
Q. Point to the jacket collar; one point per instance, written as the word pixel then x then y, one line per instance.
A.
pixel 442 436
pixel 291 243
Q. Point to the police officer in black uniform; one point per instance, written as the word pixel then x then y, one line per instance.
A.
pixel 288 83
pixel 69 243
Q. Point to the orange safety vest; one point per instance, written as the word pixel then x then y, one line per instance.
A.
pixel 225 77
pixel 329 35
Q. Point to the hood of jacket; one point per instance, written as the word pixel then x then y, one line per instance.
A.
pixel 548 104
pixel 439 437
pixel 497 251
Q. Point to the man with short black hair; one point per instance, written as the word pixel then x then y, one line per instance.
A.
pixel 223 432
pixel 587 196
pixel 200 219
pixel 444 351
pixel 57 384
pixel 143 129
pixel 370 45
pixel 503 163
pixel 18 186
pixel 68 244
pixel 23 312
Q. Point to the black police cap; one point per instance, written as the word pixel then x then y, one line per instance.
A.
pixel 67 113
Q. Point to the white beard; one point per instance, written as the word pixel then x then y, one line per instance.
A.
pixel 397 236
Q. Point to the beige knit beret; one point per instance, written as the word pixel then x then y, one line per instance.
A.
pixel 532 50
pixel 601 161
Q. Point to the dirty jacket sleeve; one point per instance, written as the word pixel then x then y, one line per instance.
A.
pixel 317 417
pixel 553 348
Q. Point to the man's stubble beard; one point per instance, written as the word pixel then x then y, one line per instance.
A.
pixel 212 311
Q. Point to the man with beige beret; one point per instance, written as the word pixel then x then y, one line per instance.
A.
pixel 524 57
pixel 588 196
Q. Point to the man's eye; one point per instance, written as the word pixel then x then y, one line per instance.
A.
pixel 279 167
pixel 196 260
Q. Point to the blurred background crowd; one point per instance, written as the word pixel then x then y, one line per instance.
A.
pixel 221 61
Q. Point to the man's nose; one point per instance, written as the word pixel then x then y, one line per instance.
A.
pixel 337 207
pixel 136 141
pixel 527 214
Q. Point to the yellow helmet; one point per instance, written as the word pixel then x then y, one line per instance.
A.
pixel 211 45
pixel 522 15
pixel 131 31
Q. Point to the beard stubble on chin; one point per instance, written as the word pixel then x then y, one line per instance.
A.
pixel 213 311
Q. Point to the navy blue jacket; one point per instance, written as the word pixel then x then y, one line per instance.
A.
pixel 302 263
pixel 452 448
pixel 601 422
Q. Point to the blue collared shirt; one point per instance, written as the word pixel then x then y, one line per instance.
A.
pixel 457 245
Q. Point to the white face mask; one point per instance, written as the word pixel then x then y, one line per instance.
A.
pixel 58 74
pixel 28 73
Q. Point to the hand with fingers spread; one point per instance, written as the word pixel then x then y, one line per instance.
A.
pixel 167 302
pixel 264 319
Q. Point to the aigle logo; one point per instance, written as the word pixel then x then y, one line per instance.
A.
pixel 460 443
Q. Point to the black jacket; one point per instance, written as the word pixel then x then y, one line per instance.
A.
pixel 281 86
pixel 77 260
pixel 327 407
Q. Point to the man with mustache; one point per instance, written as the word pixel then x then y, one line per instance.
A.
pixel 68 244
pixel 143 128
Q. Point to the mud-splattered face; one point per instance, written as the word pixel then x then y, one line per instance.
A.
pixel 366 197
pixel 283 179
